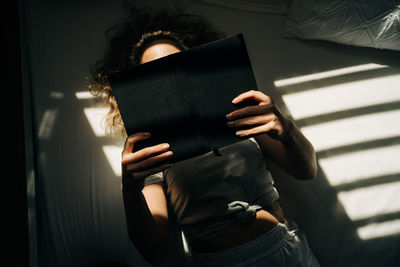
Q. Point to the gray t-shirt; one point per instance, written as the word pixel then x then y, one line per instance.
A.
pixel 210 192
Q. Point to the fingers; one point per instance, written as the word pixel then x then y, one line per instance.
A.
pixel 262 123
pixel 250 110
pixel 149 163
pixel 252 94
pixel 259 129
pixel 133 157
pixel 262 116
pixel 253 120
pixel 140 164
pixel 129 142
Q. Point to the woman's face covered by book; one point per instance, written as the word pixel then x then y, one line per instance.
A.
pixel 158 49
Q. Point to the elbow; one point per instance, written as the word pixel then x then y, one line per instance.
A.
pixel 310 175
pixel 309 172
pixel 303 171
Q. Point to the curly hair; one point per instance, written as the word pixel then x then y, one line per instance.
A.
pixel 127 42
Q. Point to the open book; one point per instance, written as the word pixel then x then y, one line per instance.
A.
pixel 183 98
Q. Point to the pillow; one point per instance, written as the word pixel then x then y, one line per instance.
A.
pixel 368 23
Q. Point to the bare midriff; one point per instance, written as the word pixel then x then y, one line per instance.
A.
pixel 237 234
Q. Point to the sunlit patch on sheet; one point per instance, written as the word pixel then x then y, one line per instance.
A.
pixel 333 98
pixel 327 74
pixel 353 130
pixel 371 201
pixel 375 230
pixel 47 123
pixel 113 155
pixel 354 166
pixel 352 117
pixel 83 95
pixel 95 117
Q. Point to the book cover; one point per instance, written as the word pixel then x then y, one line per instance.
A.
pixel 183 98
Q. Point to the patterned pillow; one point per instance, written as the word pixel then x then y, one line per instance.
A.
pixel 369 23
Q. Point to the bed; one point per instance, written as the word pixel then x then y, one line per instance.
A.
pixel 344 97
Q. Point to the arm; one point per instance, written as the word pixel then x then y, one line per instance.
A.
pixel 294 153
pixel 278 137
pixel 145 207
pixel 147 231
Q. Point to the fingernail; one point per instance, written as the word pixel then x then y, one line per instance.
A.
pixel 230 123
pixel 228 116
pixel 239 133
pixel 147 133
pixel 165 146
pixel 234 100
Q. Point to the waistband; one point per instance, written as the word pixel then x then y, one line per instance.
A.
pixel 265 244
pixel 237 212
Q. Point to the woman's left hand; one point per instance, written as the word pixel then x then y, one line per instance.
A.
pixel 265 117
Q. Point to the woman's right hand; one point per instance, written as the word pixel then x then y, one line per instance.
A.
pixel 136 166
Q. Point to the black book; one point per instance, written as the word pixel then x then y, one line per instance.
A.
pixel 183 98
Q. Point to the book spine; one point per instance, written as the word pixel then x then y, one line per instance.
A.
pixel 189 99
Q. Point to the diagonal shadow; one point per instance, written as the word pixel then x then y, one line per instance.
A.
pixel 384 142
pixel 377 219
pixel 348 113
pixel 377 180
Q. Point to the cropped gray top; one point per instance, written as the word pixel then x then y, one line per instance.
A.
pixel 210 192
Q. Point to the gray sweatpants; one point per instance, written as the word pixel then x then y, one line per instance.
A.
pixel 284 245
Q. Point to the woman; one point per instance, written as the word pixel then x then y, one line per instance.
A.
pixel 225 203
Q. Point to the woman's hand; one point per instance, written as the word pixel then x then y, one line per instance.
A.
pixel 265 117
pixel 138 165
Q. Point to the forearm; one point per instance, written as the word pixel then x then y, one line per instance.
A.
pixel 148 234
pixel 291 151
pixel 300 153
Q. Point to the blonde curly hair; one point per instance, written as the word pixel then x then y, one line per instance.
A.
pixel 129 41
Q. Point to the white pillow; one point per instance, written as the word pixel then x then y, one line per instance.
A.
pixel 369 23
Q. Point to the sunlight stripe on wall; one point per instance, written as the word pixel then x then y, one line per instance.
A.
pixel 95 117
pixel 83 95
pixel 375 230
pixel 350 167
pixel 370 201
pixel 47 123
pixel 327 74
pixel 339 97
pixel 113 155
pixel 353 130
